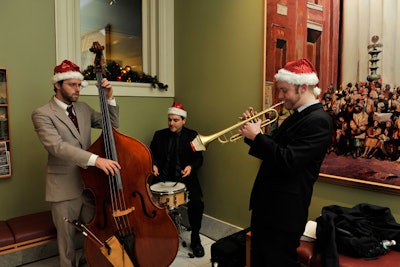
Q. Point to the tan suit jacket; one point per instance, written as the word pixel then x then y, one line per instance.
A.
pixel 66 146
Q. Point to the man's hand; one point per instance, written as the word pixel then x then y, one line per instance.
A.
pixel 155 170
pixel 109 167
pixel 250 112
pixel 186 171
pixel 107 88
pixel 250 129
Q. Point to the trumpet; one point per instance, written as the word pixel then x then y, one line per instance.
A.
pixel 200 142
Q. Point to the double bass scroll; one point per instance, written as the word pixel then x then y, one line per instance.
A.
pixel 123 204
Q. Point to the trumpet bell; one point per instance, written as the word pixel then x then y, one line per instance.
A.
pixel 197 144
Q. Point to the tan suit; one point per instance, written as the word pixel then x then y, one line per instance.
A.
pixel 66 153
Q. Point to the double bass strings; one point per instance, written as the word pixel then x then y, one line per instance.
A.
pixel 115 182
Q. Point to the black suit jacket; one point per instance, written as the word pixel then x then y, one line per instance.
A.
pixel 291 161
pixel 159 147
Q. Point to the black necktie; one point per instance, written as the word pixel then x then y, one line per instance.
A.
pixel 171 170
pixel 175 164
pixel 72 116
pixel 290 118
pixel 287 122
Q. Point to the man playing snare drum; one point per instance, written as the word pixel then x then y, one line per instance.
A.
pixel 174 160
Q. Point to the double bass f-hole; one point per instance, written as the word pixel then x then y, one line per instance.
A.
pixel 145 212
pixel 123 204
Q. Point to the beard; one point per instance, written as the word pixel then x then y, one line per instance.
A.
pixel 69 98
pixel 292 103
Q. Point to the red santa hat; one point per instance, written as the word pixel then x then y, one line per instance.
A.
pixel 177 109
pixel 67 70
pixel 299 72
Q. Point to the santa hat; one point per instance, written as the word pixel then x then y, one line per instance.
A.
pixel 177 109
pixel 67 70
pixel 299 72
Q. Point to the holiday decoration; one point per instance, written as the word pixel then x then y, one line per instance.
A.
pixel 114 72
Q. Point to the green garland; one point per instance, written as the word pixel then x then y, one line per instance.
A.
pixel 114 72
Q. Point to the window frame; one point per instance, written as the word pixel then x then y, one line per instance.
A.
pixel 158 46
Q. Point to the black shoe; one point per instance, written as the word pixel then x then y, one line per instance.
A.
pixel 82 261
pixel 198 250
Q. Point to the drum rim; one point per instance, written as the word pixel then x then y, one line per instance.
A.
pixel 168 192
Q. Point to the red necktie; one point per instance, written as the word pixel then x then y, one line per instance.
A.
pixel 72 116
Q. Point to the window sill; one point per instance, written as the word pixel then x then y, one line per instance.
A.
pixel 129 89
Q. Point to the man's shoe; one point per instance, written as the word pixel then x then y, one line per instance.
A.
pixel 82 261
pixel 198 250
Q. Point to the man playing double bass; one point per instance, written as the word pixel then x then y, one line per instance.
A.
pixel 66 144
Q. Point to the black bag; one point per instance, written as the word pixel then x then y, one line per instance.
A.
pixel 356 231
pixel 230 251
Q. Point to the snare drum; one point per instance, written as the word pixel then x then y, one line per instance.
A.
pixel 169 195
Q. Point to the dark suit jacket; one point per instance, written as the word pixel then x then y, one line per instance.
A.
pixel 159 147
pixel 66 146
pixel 291 161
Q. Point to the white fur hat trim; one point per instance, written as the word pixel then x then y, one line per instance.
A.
pixel 297 79
pixel 67 75
pixel 177 111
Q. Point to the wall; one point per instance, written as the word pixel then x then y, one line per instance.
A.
pixel 218 75
pixel 27 51
pixel 218 63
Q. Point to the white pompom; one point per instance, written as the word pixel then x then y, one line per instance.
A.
pixel 317 91
pixel 84 83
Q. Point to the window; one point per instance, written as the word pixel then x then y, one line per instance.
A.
pixel 157 45
pixel 117 25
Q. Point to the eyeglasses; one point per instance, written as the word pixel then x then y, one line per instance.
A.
pixel 74 85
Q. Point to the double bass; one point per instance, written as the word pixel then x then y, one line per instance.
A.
pixel 124 207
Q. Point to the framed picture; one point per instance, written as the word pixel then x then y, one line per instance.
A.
pixel 267 98
pixel 371 174
pixel 5 163
pixel 267 95
pixel 365 150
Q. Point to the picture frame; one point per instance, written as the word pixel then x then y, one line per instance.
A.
pixel 267 95
pixel 5 162
pixel 370 174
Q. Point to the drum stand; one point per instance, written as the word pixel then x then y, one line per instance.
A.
pixel 177 217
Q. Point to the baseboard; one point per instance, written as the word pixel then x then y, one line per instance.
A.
pixel 211 227
pixel 216 229
pixel 35 253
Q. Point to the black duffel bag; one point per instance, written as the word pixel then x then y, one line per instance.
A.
pixel 230 251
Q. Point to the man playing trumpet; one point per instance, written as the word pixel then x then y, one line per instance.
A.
pixel 291 160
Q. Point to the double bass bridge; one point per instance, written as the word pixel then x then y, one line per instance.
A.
pixel 120 213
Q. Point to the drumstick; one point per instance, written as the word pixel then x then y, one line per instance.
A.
pixel 179 179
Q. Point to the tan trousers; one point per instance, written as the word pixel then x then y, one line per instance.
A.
pixel 75 209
